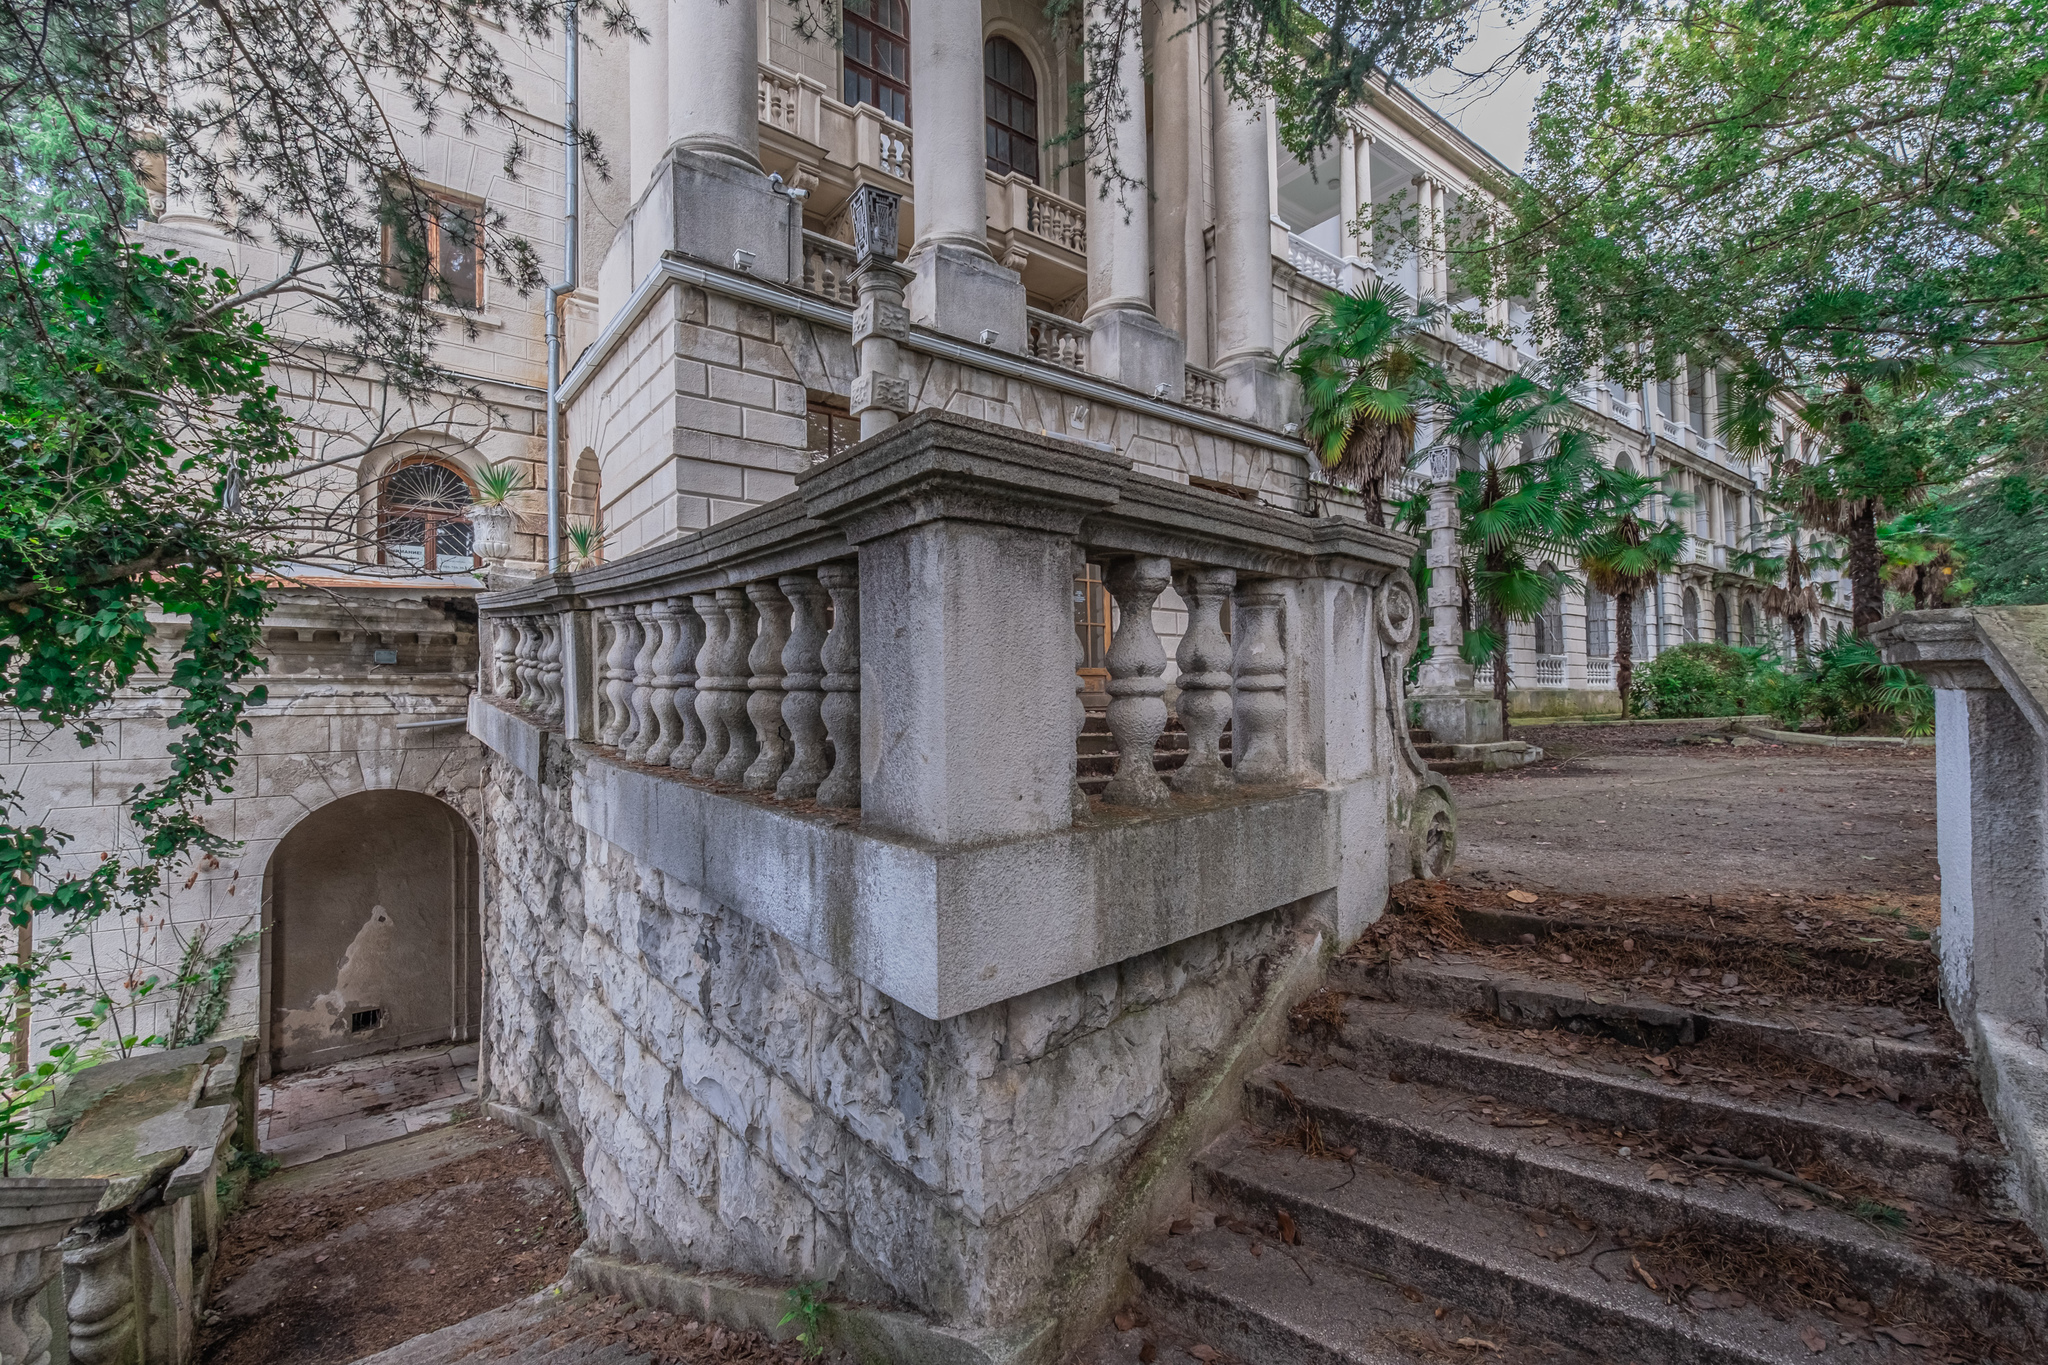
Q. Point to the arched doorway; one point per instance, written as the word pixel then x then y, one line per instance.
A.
pixel 371 931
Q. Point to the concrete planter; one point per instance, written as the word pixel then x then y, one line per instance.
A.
pixel 492 529
pixel 35 1215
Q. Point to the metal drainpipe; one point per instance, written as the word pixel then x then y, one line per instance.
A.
pixel 571 192
pixel 1650 425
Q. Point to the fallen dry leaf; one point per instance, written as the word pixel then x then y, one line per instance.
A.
pixel 1181 1227
pixel 1522 897
pixel 1148 1353
pixel 1125 1322
pixel 1479 1343
pixel 1815 1342
pixel 1287 1232
pixel 1905 1335
pixel 1205 1353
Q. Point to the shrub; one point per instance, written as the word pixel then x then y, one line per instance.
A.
pixel 1704 679
pixel 1847 686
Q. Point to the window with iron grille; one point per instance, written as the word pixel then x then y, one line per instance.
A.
pixel 423 518
pixel 1011 100
pixel 875 42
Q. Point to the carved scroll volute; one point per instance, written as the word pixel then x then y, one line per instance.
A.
pixel 1137 689
pixel 841 708
pixel 667 637
pixel 1205 700
pixel 618 687
pixel 1258 721
pixel 505 658
pixel 764 686
pixel 643 731
pixel 803 688
pixel 1077 798
pixel 742 747
pixel 548 668
pixel 689 645
pixel 710 663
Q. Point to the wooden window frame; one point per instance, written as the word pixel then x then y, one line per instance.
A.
pixel 440 289
pixel 431 518
pixel 851 21
pixel 991 125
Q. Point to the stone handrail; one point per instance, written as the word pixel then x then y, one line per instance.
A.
pixel 1201 389
pixel 852 713
pixel 828 268
pixel 1052 337
pixel 779 100
pixel 1314 262
pixel 1057 220
pixel 1989 670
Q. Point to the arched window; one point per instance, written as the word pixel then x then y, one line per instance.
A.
pixel 1721 622
pixel 874 36
pixel 1623 464
pixel 1011 100
pixel 423 518
pixel 1691 610
pixel 1749 623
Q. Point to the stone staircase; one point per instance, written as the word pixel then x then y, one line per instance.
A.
pixel 1461 1158
pixel 1454 759
pixel 562 1326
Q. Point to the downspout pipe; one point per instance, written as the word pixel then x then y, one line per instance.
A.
pixel 571 206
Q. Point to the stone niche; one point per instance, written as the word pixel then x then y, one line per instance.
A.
pixel 944 1036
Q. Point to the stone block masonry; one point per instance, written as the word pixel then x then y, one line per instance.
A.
pixel 797 924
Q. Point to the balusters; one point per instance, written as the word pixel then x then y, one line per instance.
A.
pixel 527 693
pixel 741 746
pixel 505 658
pixel 1258 746
pixel 803 691
pixel 618 687
pixel 1077 799
pixel 644 730
pixel 710 663
pixel 600 650
pixel 1204 659
pixel 667 636
pixel 1137 692
pixel 689 642
pixel 548 667
pixel 841 708
pixel 764 687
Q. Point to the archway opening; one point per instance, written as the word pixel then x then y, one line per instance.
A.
pixel 371 931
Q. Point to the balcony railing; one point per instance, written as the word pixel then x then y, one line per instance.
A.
pixel 779 100
pixel 1551 671
pixel 828 268
pixel 793 713
pixel 1599 672
pixel 1059 340
pixel 1314 262
pixel 1201 389
pixel 1055 219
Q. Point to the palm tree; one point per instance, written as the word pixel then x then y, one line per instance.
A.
pixel 1788 579
pixel 1623 556
pixel 1523 503
pixel 1364 375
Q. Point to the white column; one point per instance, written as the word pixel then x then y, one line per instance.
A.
pixel 1176 175
pixel 1365 204
pixel 1347 208
pixel 949 157
pixel 1244 242
pixel 1119 216
pixel 647 70
pixel 715 78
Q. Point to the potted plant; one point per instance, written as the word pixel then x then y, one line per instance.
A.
pixel 489 518
pixel 586 543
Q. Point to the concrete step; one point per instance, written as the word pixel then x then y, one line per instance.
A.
pixel 1878 1142
pixel 1449 1137
pixel 549 1328
pixel 1485 1255
pixel 1457 983
pixel 1420 735
pixel 1290 1306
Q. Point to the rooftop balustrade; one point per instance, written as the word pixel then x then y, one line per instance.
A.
pixel 852 714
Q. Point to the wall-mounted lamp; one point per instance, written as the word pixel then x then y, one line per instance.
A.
pixel 989 335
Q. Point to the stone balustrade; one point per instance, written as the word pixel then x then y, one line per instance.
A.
pixel 1201 389
pixel 828 268
pixel 852 713
pixel 1059 340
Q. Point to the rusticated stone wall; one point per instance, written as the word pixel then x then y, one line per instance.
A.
pixel 741 1105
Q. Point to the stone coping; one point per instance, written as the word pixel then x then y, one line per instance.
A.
pixel 900 471
pixel 1974 648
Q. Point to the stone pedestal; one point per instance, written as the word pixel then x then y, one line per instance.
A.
pixel 1254 390
pixel 1457 716
pixel 722 207
pixel 965 293
pixel 1130 346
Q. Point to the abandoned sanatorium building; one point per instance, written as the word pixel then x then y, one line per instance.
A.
pixel 874 996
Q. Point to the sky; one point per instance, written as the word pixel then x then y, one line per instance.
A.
pixel 1494 113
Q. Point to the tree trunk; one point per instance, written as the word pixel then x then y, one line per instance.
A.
pixel 1624 644
pixel 24 950
pixel 1866 569
pixel 1796 626
pixel 1500 668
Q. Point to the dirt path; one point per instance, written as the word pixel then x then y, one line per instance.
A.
pixel 344 1257
pixel 1638 811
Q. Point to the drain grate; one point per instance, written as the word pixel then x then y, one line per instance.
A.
pixel 362 1021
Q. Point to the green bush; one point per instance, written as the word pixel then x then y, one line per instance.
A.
pixel 1704 679
pixel 1847 686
